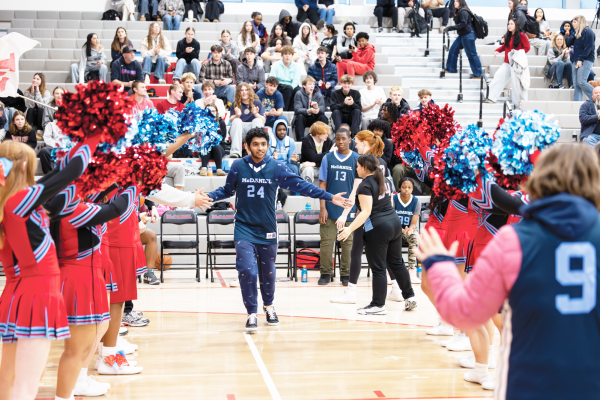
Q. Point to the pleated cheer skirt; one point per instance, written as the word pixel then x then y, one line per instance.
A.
pixel 84 291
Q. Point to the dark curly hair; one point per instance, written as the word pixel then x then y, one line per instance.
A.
pixel 382 125
pixel 256 133
pixel 361 35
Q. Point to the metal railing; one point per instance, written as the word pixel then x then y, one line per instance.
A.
pixel 508 109
pixel 459 98
pixel 427 48
pixel 482 97
pixel 445 47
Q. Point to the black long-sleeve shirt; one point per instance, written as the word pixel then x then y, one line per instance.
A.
pixel 188 57
pixel 337 101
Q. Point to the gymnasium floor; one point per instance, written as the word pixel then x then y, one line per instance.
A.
pixel 195 347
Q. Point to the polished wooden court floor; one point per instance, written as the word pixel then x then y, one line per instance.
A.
pixel 195 347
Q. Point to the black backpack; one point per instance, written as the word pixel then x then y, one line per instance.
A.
pixel 110 15
pixel 532 26
pixel 421 23
pixel 479 25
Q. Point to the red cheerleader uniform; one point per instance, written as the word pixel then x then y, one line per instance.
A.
pixel 31 305
pixel 82 275
pixel 108 270
pixel 436 218
pixel 458 226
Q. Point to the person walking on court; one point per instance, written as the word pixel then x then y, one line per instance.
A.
pixel 463 25
pixel 254 181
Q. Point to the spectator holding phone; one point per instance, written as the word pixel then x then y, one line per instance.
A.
pixel 309 107
pixel 362 60
pixel 346 42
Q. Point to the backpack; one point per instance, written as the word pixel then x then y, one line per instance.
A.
pixel 480 26
pixel 421 26
pixel 111 15
pixel 532 27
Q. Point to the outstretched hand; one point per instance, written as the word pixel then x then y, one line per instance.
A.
pixel 340 200
pixel 201 200
pixel 430 244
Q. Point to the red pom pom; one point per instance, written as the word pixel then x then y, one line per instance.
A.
pixel 505 181
pixel 403 131
pixel 103 170
pixel 440 126
pixel 145 167
pixel 440 187
pixel 98 108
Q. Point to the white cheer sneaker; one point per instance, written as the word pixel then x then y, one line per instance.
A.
pixel 486 382
pixel 349 297
pixel 462 343
pixel 440 330
pixel 469 362
pixel 90 387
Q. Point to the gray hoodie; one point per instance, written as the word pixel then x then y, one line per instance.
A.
pixel 171 5
pixel 302 99
pixel 256 74
pixel 343 41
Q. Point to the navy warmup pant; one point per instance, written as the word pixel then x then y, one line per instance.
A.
pixel 254 260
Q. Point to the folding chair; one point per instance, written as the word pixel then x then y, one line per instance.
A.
pixel 284 218
pixel 218 217
pixel 180 217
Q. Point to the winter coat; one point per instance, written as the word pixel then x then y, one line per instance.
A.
pixel 188 57
pixel 325 74
pixel 519 15
pixel 290 29
pixel 256 74
pixel 147 50
pixel 171 5
pixel 304 49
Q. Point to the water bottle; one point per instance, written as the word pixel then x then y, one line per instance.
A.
pixel 304 274
pixel 419 271
pixel 308 206
pixel 279 207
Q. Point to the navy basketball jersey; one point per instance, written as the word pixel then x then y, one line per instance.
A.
pixel 552 315
pixel 340 179
pixel 256 196
pixel 405 211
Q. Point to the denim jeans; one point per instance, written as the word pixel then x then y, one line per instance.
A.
pixel 159 67
pixel 226 91
pixel 172 23
pixel 580 77
pixel 466 42
pixel 591 139
pixel 562 70
pixel 145 7
pixel 183 66
pixel 327 15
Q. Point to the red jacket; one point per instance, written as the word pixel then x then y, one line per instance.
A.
pixel 365 56
pixel 524 45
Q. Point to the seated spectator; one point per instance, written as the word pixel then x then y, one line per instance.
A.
pixel 314 147
pixel 568 32
pixel 214 9
pixel 589 117
pixel 402 107
pixel 247 38
pixel 540 17
pixel 278 33
pixel 290 28
pixel 309 107
pixel 3 120
pixel 126 69
pixel 55 101
pixel 424 99
pixel 189 93
pixel 273 54
pixel 127 8
pixel 272 101
pixel 208 90
pixel 249 113
pixel 220 73
pixel 307 9
pixel 558 64
pixel 386 8
pixel 363 58
pixel 231 53
pixel 282 147
pixel 217 152
pixel 539 42
pixel 330 41
pixel 346 42
pixel 306 45
pixel 119 42
pixel 92 59
pixel 140 95
pixel 405 11
pixel 288 74
pixel 371 98
pixel 260 30
pixel 20 131
pixel 188 51
pixel 156 50
pixel 389 113
pixel 438 10
pixel 52 134
pixel 171 12
pixel 325 74
pixel 149 10
pixel 173 101
pixel 250 72
pixel 193 11
pixel 38 92
pixel 345 105
pixel 326 10
pixel 382 129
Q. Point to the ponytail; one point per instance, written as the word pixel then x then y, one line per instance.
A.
pixel 376 145
pixel 380 181
pixel 370 163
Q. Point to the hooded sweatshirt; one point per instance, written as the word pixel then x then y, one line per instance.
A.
pixel 403 108
pixel 569 37
pixel 290 29
pixel 285 147
pixel 337 101
pixel 343 41
pixel 365 56
pixel 324 74
pixel 253 75
pixel 519 15
pixel 302 99
pixel 188 57
pixel 309 49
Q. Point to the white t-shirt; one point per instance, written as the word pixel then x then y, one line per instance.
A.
pixel 368 97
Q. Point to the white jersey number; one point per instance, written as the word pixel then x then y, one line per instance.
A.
pixel 586 278
pixel 261 191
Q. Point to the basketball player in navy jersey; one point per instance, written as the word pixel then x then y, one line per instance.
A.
pixel 255 180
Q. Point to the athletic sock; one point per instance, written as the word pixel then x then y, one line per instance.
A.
pixel 351 286
pixel 82 374
pixel 108 351
pixel 481 370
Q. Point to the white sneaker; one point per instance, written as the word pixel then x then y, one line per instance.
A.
pixel 410 304
pixel 93 381
pixel 123 331
pixel 234 283
pixel 162 81
pixel 469 362
pixel 462 343
pixel 147 80
pixel 349 297
pixel 445 343
pixel 99 360
pixel 132 17
pixel 440 330
pixel 370 310
pixel 128 348
pixel 90 388
pixel 105 369
pixel 395 295
pixel 486 382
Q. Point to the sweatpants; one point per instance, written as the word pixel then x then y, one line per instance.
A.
pixel 254 260
pixel 504 74
pixel 383 245
pixel 328 232
pixel 358 245
pixel 352 68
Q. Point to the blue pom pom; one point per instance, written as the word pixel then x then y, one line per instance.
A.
pixel 413 159
pixel 157 129
pixel 203 124
pixel 465 156
pixel 519 137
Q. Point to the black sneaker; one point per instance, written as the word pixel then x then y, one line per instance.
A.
pixel 150 278
pixel 345 280
pixel 324 279
pixel 272 319
pixel 252 323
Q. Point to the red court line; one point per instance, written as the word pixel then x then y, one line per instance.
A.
pixel 418 398
pixel 231 397
pixel 220 278
pixel 378 393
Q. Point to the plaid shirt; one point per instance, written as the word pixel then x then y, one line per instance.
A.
pixel 211 71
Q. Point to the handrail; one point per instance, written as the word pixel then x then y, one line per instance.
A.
pixel 427 48
pixel 482 96
pixel 459 98
pixel 507 107
pixel 444 49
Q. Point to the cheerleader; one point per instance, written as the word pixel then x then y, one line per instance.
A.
pixel 78 236
pixel 32 309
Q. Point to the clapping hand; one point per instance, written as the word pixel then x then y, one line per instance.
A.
pixel 238 112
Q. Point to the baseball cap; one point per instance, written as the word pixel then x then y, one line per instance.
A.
pixel 128 49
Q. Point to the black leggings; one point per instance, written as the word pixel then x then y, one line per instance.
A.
pixel 358 245
pixel 35 117
pixel 383 245
pixel 216 153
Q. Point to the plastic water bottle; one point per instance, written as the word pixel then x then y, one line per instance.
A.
pixel 419 271
pixel 308 206
pixel 304 274
pixel 279 207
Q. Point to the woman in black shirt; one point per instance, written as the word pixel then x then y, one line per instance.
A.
pixel 382 237
pixel 330 41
